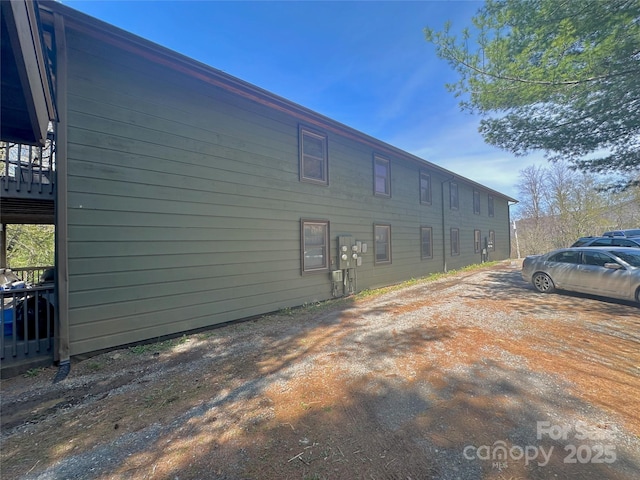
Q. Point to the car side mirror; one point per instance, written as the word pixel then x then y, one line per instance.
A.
pixel 613 266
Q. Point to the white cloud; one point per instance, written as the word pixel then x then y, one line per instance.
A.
pixel 455 144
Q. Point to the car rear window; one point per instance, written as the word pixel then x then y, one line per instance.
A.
pixel 621 242
pixel 580 242
pixel 602 242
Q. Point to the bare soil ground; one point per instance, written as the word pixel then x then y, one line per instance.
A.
pixel 472 376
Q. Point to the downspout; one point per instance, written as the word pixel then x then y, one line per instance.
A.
pixel 509 205
pixel 62 345
pixel 444 241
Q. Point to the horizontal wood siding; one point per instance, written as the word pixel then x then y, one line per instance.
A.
pixel 184 205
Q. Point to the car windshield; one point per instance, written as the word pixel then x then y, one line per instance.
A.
pixel 632 258
pixel 633 233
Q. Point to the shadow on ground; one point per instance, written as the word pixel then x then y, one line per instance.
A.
pixel 402 387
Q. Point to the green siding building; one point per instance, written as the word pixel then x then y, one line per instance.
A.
pixel 188 198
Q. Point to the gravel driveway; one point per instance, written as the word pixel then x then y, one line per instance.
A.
pixel 471 376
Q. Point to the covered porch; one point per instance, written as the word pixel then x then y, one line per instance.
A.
pixel 28 123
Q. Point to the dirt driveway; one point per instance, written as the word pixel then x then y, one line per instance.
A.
pixel 472 376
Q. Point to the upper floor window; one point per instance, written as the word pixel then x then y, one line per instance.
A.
pixel 426 242
pixel 425 188
pixel 314 166
pixel 381 176
pixel 382 235
pixel 314 238
pixel 490 206
pixel 476 202
pixel 453 196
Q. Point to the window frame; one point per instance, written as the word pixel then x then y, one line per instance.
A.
pixel 303 246
pixel 476 202
pixel 387 181
pixel 477 241
pixel 454 251
pixel 595 254
pixel 429 199
pixel 453 187
pixel 561 256
pixel 387 227
pixel 491 247
pixel 491 206
pixel 602 242
pixel 429 254
pixel 623 242
pixel 305 131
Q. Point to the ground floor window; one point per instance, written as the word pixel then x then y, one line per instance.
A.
pixel 426 242
pixel 382 246
pixel 491 244
pixel 314 245
pixel 455 241
pixel 477 241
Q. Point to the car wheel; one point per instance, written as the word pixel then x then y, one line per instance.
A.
pixel 638 295
pixel 543 282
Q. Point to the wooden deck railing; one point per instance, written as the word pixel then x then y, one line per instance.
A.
pixel 26 167
pixel 27 323
pixel 31 275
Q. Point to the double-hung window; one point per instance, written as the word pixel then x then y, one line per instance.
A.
pixel 314 166
pixel 382 245
pixel 490 207
pixel 477 241
pixel 455 241
pixel 381 176
pixel 425 188
pixel 476 202
pixel 314 235
pixel 492 241
pixel 426 242
pixel 454 203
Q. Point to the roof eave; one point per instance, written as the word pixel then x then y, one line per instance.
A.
pixel 179 62
pixel 28 76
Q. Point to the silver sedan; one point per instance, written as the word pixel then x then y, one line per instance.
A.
pixel 606 271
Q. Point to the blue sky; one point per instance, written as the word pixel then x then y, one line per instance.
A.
pixel 365 64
